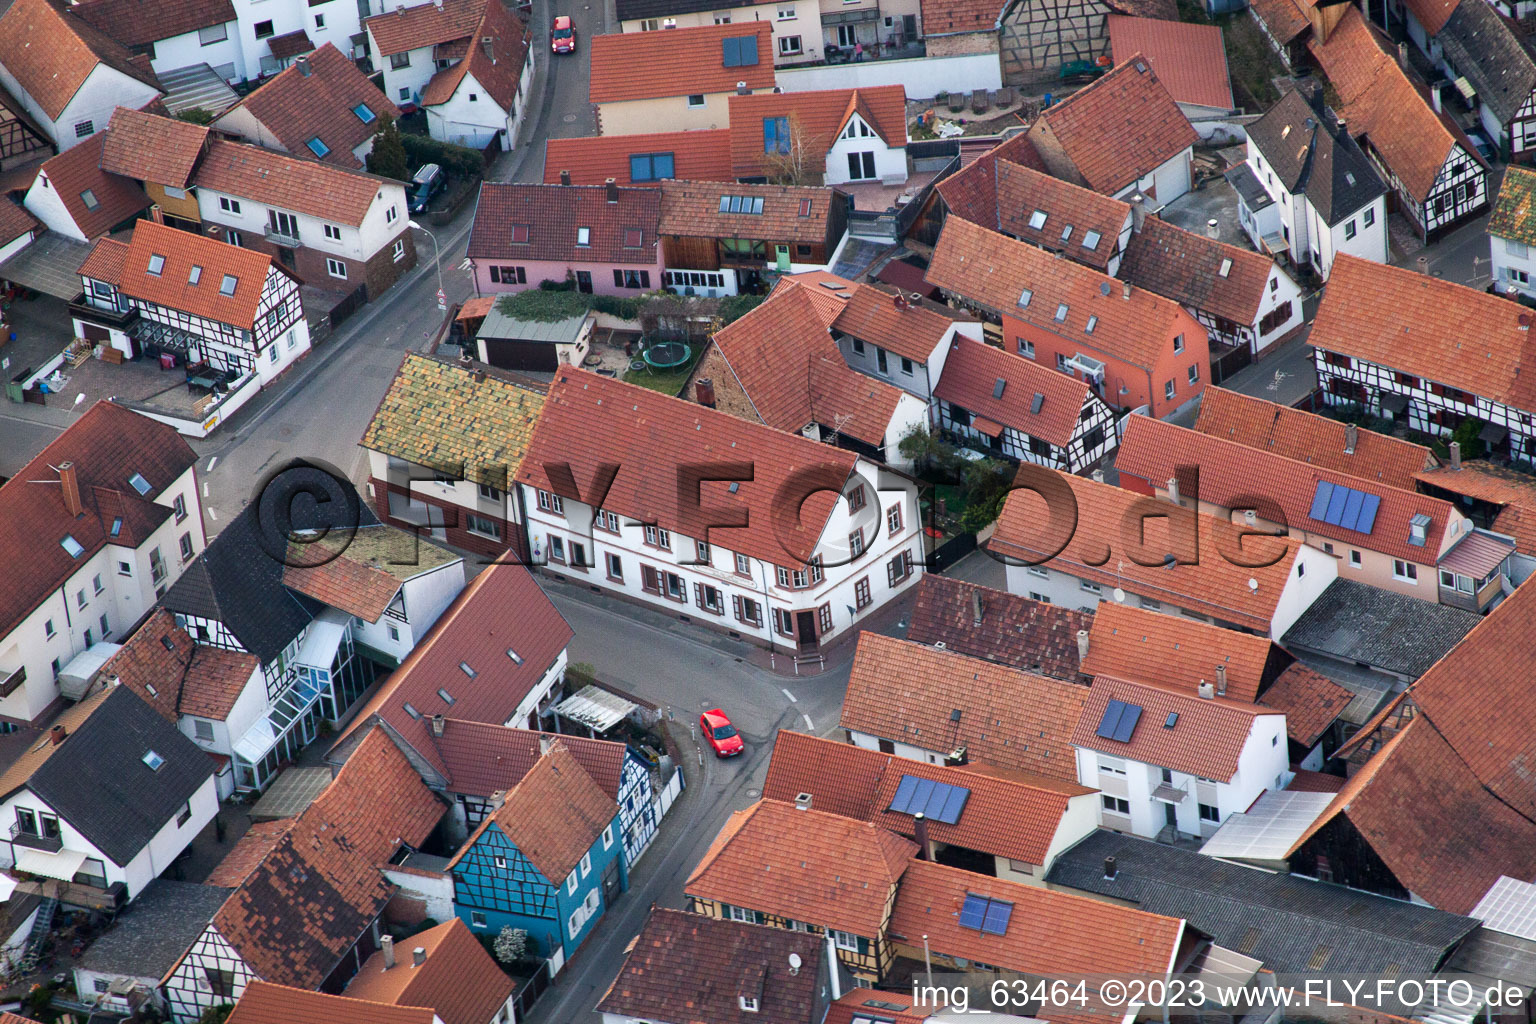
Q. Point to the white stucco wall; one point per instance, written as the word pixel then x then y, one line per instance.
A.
pixel 923 77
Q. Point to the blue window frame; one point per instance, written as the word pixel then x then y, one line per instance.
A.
pixel 364 113
pixel 317 147
pixel 651 166
pixel 775 135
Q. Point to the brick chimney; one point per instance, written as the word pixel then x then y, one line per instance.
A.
pixel 1109 868
pixel 437 726
pixel 613 190
pixel 565 177
pixel 1082 645
pixel 387 947
pixel 704 392
pixel 1125 289
pixel 57 734
pixel 802 801
pixel 1221 680
pixel 920 832
pixel 1138 211
pixel 1456 455
pixel 486 45
pixel 156 214
pixel 71 488
pixel 1351 438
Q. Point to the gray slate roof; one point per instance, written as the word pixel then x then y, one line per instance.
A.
pixel 1279 919
pixel 157 928
pixel 238 579
pixel 560 332
pixel 1394 632
pixel 1482 47
pixel 1318 160
pixel 99 783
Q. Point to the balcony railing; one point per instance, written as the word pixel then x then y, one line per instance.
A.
pixel 48 844
pixel 278 236
pixel 110 317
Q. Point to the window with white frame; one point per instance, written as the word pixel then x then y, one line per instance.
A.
pixel 741 914
pixel 551 503
pixel 1116 805
pixel 845 940
pixel 608 837
pixel 1405 572
pixel 397 251
pixel 586 864
pixel 1111 765
pixel 336 268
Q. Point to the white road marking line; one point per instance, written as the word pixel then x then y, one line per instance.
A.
pixel 205 490
pixel 213 515
pixel 789 695
pixel 810 726
pixel 213 462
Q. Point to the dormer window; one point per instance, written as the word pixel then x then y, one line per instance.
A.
pixel 1037 220
pixel 138 483
pixel 583 236
pixel 364 113
pixel 156 264
pixel 1066 233
pixel 317 147
pixel 1061 312
pixel 1024 298
pixel 194 275
pixel 89 199
pixel 747 1003
pixel 227 286
pixel 1091 240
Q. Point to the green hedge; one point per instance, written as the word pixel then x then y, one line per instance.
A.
pixel 456 160
pixel 553 304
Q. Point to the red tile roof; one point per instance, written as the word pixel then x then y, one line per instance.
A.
pixel 1230 474
pixel 1432 14
pixel 113 198
pixel 181 253
pixel 1175 653
pixel 973 370
pixel 15 221
pixel 950 17
pixel 552 213
pixel 1303 781
pixel 1077 213
pixel 409 28
pixel 1204 580
pixel 696 156
pixel 1050 934
pixel 906 692
pixel 105 260
pixel 704 964
pixel 994 270
pixel 553 815
pixel 187 679
pixel 591 421
pixel 294 107
pixel 1416 324
pixel 971 192
pixel 1309 700
pixel 1013 630
pixel 1012 815
pixel 498 72
pixel 473 631
pixel 1380 101
pixel 458 980
pixel 1308 437
pixel 50 53
pixel 1444 835
pixel 1188 268
pixel 909 329
pixel 682 62
pixel 1116 131
pixel 1206 739
pixel 264 1003
pixel 822 115
pixel 148 147
pixel 107 444
pixel 790 213
pixel 793 373
pixel 856 1006
pixel 248 853
pixel 1190 59
pixel 483 758
pixel 1284 18
pixel 135 22
pixel 1498 485
pixel 305 905
pixel 321 190
pixel 804 865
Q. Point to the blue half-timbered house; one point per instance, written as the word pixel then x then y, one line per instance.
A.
pixel 549 860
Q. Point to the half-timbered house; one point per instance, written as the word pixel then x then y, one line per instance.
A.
pixel 1243 299
pixel 1041 37
pixel 548 860
pixel 1438 177
pixel 307 658
pixel 1004 404
pixel 721 239
pixel 789 865
pixel 232 310
pixel 308 899
pixel 1426 353
pixel 22 140
pixel 1512 232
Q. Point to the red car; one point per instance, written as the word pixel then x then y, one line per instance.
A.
pixel 562 38
pixel 720 734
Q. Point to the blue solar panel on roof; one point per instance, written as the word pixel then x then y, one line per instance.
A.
pixel 921 794
pixel 1128 719
pixel 1111 720
pixel 1336 505
pixel 973 911
pixel 996 919
pixel 903 798
pixel 1368 513
pixel 1351 510
pixel 954 803
pixel 1320 500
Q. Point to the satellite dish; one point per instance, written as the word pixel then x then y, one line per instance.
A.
pixel 794 963
pixel 1119 595
pixel 1253 584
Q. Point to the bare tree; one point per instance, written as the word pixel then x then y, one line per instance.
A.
pixel 796 162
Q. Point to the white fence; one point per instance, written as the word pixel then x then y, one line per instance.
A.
pixel 924 77
pixel 243 392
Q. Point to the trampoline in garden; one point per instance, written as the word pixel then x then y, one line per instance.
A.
pixel 667 355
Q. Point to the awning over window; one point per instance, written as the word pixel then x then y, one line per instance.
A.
pixel 63 864
pixel 991 428
pixel 595 708
pixel 1395 404
pixel 1275 243
pixel 1465 88
pixel 1492 433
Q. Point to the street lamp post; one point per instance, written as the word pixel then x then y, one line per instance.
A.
pixel 437 264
